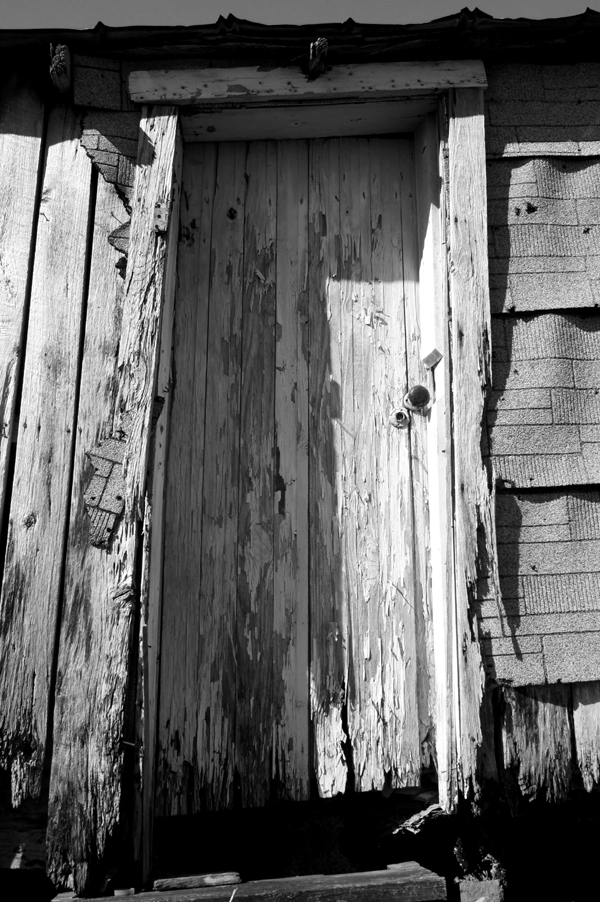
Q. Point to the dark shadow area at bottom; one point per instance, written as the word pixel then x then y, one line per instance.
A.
pixel 350 833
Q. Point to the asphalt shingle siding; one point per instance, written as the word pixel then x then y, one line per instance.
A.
pixel 543 415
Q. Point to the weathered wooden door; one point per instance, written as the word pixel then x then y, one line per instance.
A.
pixel 292 633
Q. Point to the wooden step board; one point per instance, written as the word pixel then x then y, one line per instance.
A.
pixel 406 882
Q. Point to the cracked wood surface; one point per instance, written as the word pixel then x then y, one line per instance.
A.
pixel 21 126
pixel 285 481
pixel 40 497
pixel 475 554
pixel 85 785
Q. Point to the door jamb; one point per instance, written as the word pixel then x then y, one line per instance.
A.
pixel 454 267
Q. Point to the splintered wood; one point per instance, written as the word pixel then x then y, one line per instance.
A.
pixel 36 536
pixel 293 630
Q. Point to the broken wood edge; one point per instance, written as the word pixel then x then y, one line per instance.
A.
pixel 474 540
pixel 249 84
pixel 151 591
pixel 433 301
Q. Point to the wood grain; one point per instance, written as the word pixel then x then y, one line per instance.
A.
pixel 291 750
pixel 328 620
pixel 21 127
pixel 537 741
pixel 95 631
pixel 259 685
pixel 181 625
pixel 406 882
pixel 586 730
pixel 434 335
pixel 216 677
pixel 420 439
pixel 252 83
pixel 39 505
pixel 475 554
pixel 151 589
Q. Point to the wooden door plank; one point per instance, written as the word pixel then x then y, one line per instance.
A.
pixel 328 621
pixel 290 510
pixel 363 339
pixel 397 531
pixel 258 681
pixel 39 505
pixel 475 542
pixel 177 788
pixel 21 127
pixel 419 443
pixel 85 787
pixel 216 677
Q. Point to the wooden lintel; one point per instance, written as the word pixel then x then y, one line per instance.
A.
pixel 249 84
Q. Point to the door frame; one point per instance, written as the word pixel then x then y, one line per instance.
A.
pixel 455 317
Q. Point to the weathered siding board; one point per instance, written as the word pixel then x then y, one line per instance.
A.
pixel 290 504
pixel 85 787
pixel 39 505
pixel 151 580
pixel 259 683
pixel 536 739
pixel 543 416
pixel 586 729
pixel 21 134
pixel 469 306
pixel 181 624
pixel 328 621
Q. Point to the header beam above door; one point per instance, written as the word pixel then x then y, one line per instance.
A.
pixel 252 84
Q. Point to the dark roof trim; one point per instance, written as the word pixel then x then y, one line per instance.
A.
pixel 462 35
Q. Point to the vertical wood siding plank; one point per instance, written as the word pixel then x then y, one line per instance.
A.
pixel 36 532
pixel 419 440
pixel 85 786
pixel 217 666
pixel 151 589
pixel 21 125
pixel 586 729
pixel 470 310
pixel 328 622
pixel 181 631
pixel 398 617
pixel 537 741
pixel 259 681
pixel 290 510
pixel 137 367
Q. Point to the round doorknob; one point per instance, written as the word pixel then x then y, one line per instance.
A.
pixel 400 418
pixel 417 398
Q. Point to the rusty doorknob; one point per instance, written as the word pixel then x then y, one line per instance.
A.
pixel 400 418
pixel 417 398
